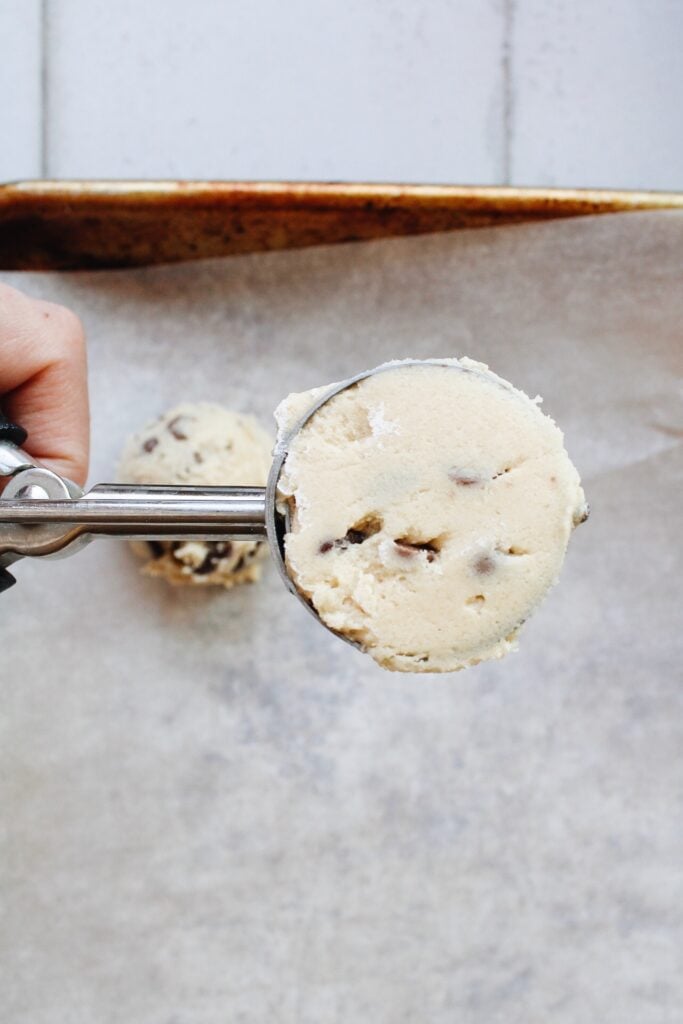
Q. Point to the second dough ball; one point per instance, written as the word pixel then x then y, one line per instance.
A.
pixel 200 444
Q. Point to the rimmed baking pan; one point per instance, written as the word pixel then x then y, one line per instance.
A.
pixel 54 225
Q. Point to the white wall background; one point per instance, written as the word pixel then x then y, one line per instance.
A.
pixel 555 92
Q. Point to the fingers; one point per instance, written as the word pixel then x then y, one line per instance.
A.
pixel 43 380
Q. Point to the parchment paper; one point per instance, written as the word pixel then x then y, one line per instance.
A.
pixel 214 811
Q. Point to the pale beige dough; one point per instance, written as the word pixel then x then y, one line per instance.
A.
pixel 200 443
pixel 430 509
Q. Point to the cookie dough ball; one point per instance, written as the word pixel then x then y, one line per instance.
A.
pixel 430 506
pixel 200 444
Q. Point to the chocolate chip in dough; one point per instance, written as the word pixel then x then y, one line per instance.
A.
pixel 406 548
pixel 581 515
pixel 216 551
pixel 210 562
pixel 465 477
pixel 364 528
pixel 484 565
pixel 173 427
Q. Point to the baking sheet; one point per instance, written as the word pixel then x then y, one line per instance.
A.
pixel 213 810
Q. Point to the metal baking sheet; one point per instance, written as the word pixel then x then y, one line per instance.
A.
pixel 80 224
pixel 213 810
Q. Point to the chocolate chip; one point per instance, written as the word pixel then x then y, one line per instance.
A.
pixel 156 548
pixel 207 566
pixel 465 477
pixel 405 548
pixel 216 551
pixel 150 444
pixel 173 428
pixel 355 536
pixel 484 565
pixel 198 457
pixel 239 564
pixel 366 527
pixel 513 550
pixel 581 515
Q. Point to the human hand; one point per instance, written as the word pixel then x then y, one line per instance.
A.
pixel 43 382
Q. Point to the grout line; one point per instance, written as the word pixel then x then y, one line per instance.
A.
pixel 44 90
pixel 508 89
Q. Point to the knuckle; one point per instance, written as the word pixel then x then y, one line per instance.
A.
pixel 65 328
pixel 15 306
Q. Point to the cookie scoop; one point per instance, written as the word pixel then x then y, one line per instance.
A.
pixel 421 510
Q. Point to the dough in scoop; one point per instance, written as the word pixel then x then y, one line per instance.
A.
pixel 430 506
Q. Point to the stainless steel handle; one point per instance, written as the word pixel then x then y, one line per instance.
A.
pixel 40 516
pixel 123 510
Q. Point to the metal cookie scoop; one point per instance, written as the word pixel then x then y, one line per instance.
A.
pixel 43 515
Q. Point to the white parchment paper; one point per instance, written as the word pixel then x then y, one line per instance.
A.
pixel 214 811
